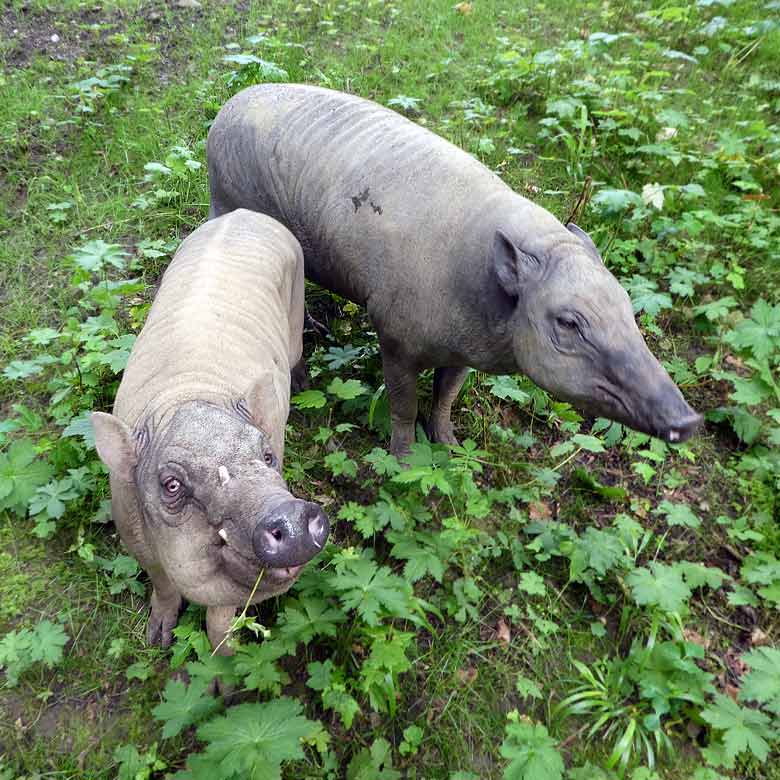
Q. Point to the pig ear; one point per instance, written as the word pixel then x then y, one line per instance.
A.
pixel 514 268
pixel 115 446
pixel 590 247
pixel 268 404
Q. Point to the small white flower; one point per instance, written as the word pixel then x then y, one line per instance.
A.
pixel 653 194
pixel 665 134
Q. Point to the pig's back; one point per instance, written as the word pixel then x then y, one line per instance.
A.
pixel 378 202
pixel 220 317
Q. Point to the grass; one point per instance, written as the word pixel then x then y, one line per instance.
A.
pixel 68 721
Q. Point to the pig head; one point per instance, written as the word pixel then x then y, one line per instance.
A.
pixel 212 512
pixel 573 332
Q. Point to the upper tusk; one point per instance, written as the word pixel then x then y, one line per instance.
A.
pixel 316 544
pixel 224 475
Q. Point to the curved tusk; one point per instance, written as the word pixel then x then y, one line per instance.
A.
pixel 224 476
pixel 222 534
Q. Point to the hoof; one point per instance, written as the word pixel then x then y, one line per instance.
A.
pixel 162 620
pixel 441 434
pixel 299 377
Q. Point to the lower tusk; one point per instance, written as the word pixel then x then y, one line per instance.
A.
pixel 224 476
pixel 316 544
pixel 222 534
pixel 674 435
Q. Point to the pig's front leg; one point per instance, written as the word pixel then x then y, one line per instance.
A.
pixel 401 384
pixel 218 622
pixel 447 382
pixel 166 605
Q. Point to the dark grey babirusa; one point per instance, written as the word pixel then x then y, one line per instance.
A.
pixel 454 268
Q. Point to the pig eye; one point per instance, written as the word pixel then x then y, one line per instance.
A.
pixel 172 487
pixel 566 321
pixel 268 457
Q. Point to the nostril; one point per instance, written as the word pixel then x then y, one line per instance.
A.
pixel 272 540
pixel 318 528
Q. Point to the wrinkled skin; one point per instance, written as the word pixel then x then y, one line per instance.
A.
pixel 195 445
pixel 212 503
pixel 454 268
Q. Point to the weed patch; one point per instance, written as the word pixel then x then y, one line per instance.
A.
pixel 554 597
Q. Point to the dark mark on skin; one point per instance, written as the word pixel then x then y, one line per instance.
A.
pixel 359 200
pixel 377 209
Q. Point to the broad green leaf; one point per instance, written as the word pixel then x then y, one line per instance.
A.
pixel 589 443
pixel 612 203
pixel 598 551
pixel 309 399
pixel 340 464
pixel 268 70
pixel 382 462
pixel 678 514
pixel 527 688
pixel 762 682
pixel 348 390
pixel 48 641
pixel 253 741
pixel 183 706
pixel 157 169
pixel 531 751
pixel 532 584
pixel 645 296
pixel 760 333
pixel 672 118
pixel 698 575
pixel 81 426
pixel 320 674
pixel 373 764
pixel 660 586
pixel 21 475
pixel 95 255
pixel 337 699
pixel 307 618
pixel 256 664
pixel 405 103
pixel 744 730
pixel 371 590
pixel 506 388
pixel 750 392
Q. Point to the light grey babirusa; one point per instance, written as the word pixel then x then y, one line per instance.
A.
pixel 195 442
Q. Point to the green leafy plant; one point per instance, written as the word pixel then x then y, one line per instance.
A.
pixel 531 752
pixel 23 649
pixel 252 740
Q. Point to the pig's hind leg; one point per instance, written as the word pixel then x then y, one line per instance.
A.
pixel 447 382
pixel 401 384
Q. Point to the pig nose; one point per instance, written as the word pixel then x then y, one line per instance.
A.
pixel 291 535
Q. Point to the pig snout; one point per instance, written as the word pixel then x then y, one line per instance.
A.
pixel 675 420
pixel 647 399
pixel 291 535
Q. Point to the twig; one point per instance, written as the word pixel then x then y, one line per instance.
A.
pixel 579 206
pixel 566 742
pixel 238 620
